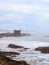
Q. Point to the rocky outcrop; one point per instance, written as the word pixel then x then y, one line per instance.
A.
pixel 9 53
pixel 17 33
pixel 6 58
pixel 14 46
pixel 43 49
pixel 7 61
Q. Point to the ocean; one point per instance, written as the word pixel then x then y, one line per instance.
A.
pixel 31 56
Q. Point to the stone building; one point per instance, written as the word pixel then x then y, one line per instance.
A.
pixel 17 32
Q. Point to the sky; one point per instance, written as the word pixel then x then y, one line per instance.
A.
pixel 24 15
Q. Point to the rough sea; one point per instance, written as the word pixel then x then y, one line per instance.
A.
pixel 31 56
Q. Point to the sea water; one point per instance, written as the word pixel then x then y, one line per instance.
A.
pixel 31 56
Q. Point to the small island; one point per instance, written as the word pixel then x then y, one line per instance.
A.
pixel 17 33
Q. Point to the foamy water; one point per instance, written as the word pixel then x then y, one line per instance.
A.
pixel 30 55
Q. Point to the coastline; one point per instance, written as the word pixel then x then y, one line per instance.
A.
pixel 7 61
pixel 6 57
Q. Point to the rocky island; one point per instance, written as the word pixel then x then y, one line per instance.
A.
pixel 17 33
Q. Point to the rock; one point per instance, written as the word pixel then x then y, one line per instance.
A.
pixel 43 49
pixel 14 46
pixel 26 48
pixel 9 53
pixel 7 61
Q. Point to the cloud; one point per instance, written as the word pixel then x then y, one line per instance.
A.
pixel 22 13
pixel 44 0
pixel 42 19
pixel 11 11
pixel 19 1
pixel 20 7
pixel 16 12
pixel 15 7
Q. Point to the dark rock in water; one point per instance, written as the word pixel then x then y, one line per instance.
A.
pixel 14 46
pixel 43 49
pixel 26 48
pixel 9 53
pixel 20 50
pixel 7 61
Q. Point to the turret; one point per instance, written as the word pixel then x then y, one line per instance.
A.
pixel 17 32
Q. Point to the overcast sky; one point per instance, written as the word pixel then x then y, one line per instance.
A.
pixel 24 14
